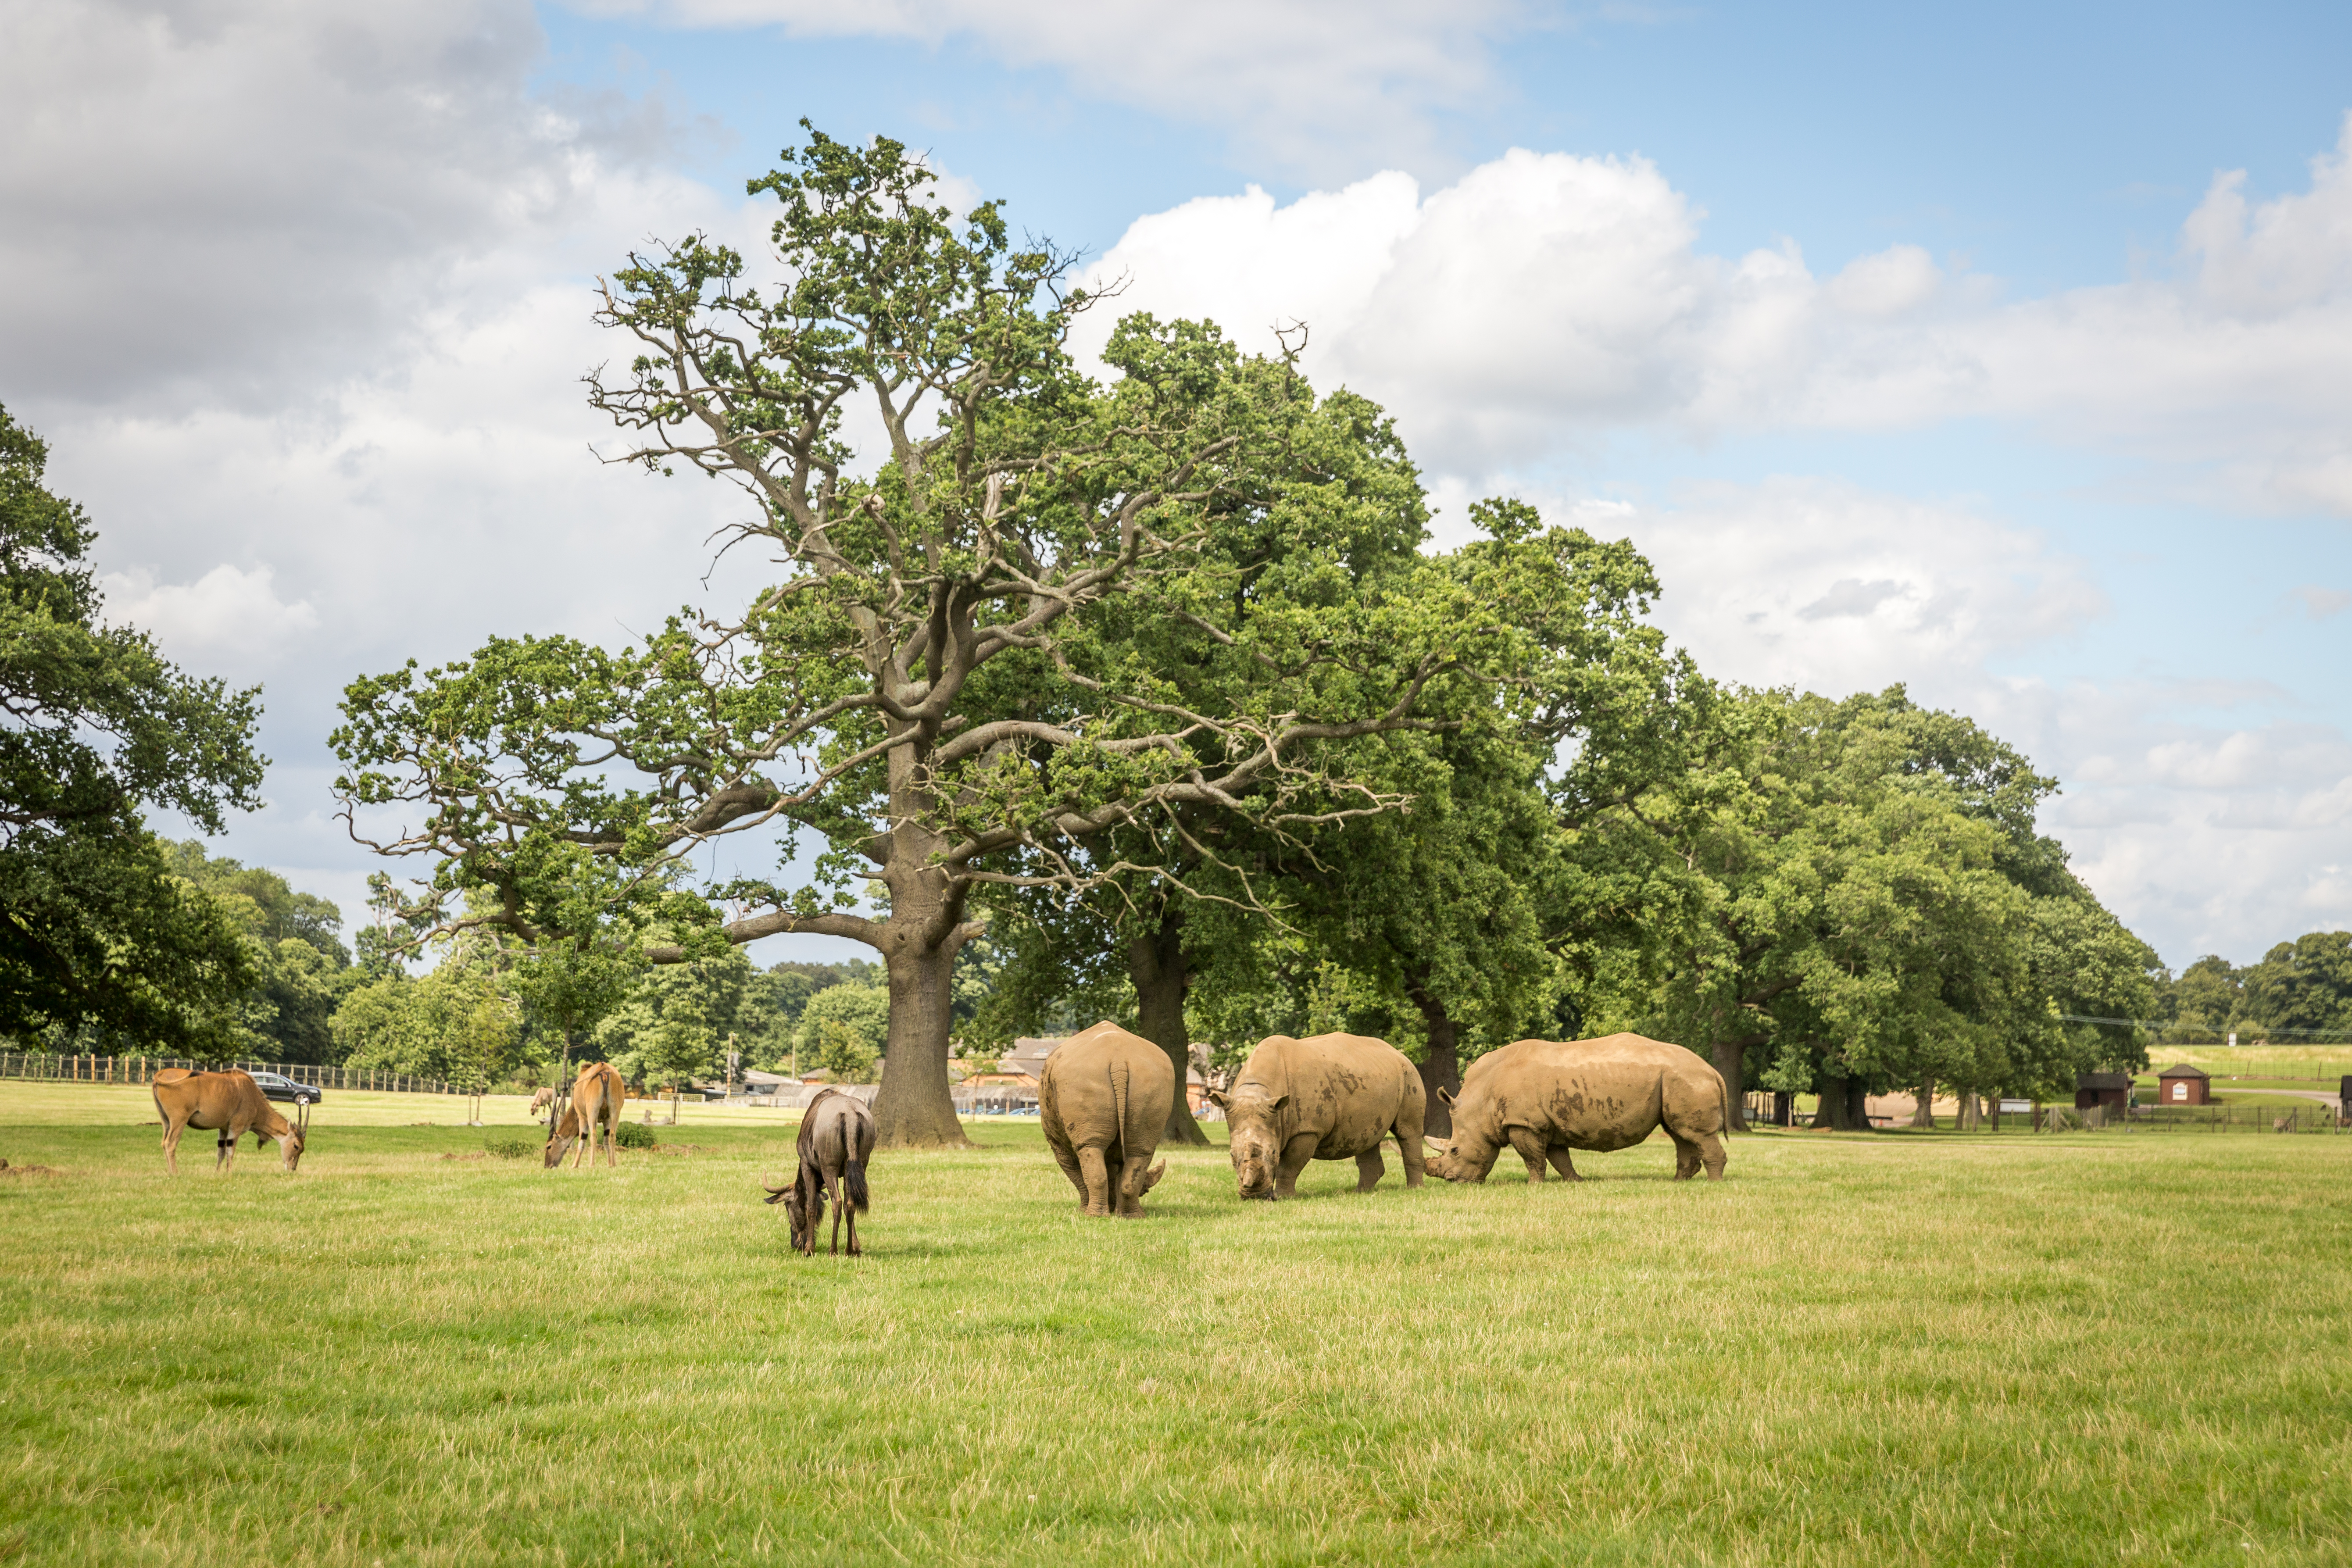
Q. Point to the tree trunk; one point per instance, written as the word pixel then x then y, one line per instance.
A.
pixel 1440 1065
pixel 1156 964
pixel 915 1108
pixel 1844 1107
pixel 1731 1061
pixel 1924 1116
pixel 1972 1115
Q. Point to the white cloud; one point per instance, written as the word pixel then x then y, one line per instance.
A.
pixel 1313 85
pixel 1543 302
pixel 227 613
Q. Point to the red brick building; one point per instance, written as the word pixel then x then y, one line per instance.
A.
pixel 2183 1085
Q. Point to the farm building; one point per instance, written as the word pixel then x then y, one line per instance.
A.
pixel 2112 1089
pixel 2184 1085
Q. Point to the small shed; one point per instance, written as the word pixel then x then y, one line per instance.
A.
pixel 2181 1084
pixel 2112 1089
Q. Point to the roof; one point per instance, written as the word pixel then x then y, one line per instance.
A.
pixel 2102 1080
pixel 2182 1069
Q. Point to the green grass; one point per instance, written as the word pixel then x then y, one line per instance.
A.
pixel 2086 1348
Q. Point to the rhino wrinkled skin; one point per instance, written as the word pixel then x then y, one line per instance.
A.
pixel 1545 1097
pixel 1331 1097
pixel 1104 1098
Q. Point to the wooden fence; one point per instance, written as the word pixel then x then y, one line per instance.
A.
pixel 142 1070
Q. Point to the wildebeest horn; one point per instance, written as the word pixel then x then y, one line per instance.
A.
pixel 775 1194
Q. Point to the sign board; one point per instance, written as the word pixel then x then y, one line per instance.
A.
pixel 2008 1106
pixel 2233 1039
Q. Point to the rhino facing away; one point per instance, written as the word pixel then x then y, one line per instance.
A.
pixel 1545 1097
pixel 1103 1099
pixel 1329 1097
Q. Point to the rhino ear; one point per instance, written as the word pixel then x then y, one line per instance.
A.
pixel 1217 1096
pixel 1278 1101
pixel 1445 1095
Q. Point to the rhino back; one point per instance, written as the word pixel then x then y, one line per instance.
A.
pixel 1075 1089
pixel 1599 1094
pixel 1346 1090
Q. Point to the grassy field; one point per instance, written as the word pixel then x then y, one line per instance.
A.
pixel 1917 1348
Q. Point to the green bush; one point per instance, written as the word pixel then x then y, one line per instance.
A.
pixel 634 1135
pixel 512 1148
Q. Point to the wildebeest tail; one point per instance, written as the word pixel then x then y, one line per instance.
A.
pixel 853 1186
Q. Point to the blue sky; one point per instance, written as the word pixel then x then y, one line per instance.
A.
pixel 1998 352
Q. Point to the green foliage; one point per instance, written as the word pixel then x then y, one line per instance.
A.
pixel 96 931
pixel 844 1030
pixel 302 970
pixel 455 1024
pixel 513 1148
pixel 1856 892
pixel 633 1135
pixel 2303 987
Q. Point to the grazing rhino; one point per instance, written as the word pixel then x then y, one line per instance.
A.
pixel 1332 1097
pixel 1544 1097
pixel 1104 1098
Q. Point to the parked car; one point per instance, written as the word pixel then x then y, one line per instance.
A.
pixel 277 1086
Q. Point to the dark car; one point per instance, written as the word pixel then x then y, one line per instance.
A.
pixel 277 1086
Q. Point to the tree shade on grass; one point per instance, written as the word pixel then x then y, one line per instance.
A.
pixel 2074 1349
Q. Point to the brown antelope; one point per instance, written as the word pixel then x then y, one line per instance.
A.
pixel 228 1102
pixel 540 1101
pixel 595 1103
pixel 835 1141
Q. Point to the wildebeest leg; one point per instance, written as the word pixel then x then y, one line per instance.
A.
pixel 1685 1156
pixel 1531 1150
pixel 832 1189
pixel 1295 1157
pixel 1559 1156
pixel 1370 1169
pixel 1102 1197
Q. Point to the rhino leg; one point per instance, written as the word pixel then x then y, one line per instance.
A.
pixel 1530 1148
pixel 1685 1156
pixel 1137 1178
pixel 1559 1156
pixel 1102 1198
pixel 1416 1169
pixel 1712 1155
pixel 1069 1163
pixel 1295 1156
pixel 1370 1169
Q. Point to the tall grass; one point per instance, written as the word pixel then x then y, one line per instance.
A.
pixel 2071 1349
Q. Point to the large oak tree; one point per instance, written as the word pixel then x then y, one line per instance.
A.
pixel 981 651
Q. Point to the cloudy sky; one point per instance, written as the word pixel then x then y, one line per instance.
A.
pixel 2004 353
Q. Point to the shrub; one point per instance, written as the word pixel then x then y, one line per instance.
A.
pixel 512 1148
pixel 634 1135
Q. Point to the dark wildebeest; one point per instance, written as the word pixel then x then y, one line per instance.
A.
pixel 1544 1097
pixel 1103 1100
pixel 228 1102
pixel 836 1140
pixel 596 1097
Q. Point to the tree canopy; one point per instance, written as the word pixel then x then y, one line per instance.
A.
pixel 96 930
pixel 1052 608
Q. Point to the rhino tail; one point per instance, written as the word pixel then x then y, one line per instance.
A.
pixel 1119 1103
